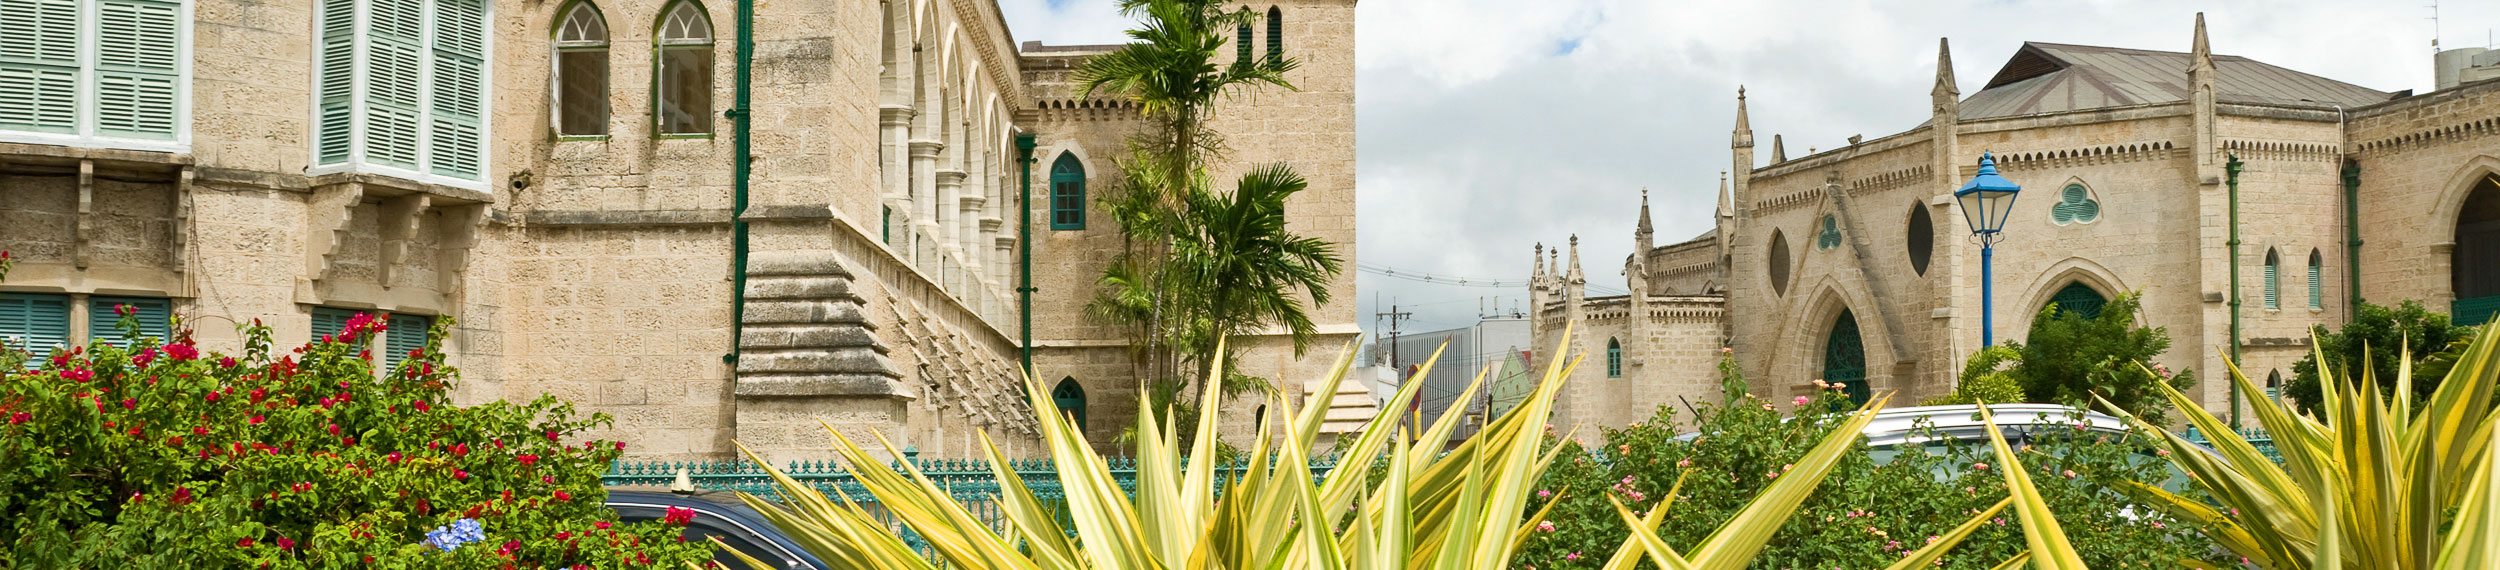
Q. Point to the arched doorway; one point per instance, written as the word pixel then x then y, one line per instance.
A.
pixel 1070 397
pixel 2474 267
pixel 2080 300
pixel 1844 358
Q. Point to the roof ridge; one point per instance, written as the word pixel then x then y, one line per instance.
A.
pixel 2138 51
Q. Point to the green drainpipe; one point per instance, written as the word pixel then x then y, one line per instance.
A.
pixel 2233 169
pixel 740 168
pixel 2352 240
pixel 1024 248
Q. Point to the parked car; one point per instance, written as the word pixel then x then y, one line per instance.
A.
pixel 1894 428
pixel 720 515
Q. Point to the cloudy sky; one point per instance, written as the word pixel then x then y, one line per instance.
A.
pixel 1487 126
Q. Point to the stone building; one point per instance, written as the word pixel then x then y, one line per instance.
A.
pixel 562 179
pixel 1855 264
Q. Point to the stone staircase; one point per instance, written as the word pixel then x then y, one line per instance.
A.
pixel 806 333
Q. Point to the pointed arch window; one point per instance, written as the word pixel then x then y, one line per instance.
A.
pixel 1614 358
pixel 1779 263
pixel 1275 34
pixel 1070 397
pixel 2317 288
pixel 1921 238
pixel 581 95
pixel 1067 193
pixel 684 90
pixel 1844 358
pixel 2274 291
pixel 2079 300
pixel 1242 48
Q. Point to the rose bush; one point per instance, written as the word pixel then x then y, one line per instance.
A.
pixel 1866 514
pixel 157 454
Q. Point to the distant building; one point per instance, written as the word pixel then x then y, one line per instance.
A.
pixel 1469 350
pixel 1855 265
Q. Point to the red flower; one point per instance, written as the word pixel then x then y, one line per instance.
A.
pixel 394 457
pixel 144 357
pixel 181 351
pixel 19 418
pixel 124 310
pixel 334 429
pixel 508 547
pixel 602 525
pixel 551 435
pixel 527 459
pixel 259 394
pixel 227 362
pixel 679 516
pixel 256 420
pixel 459 449
pixel 349 441
pixel 422 407
pixel 130 403
pixel 285 544
pixel 212 396
pixel 245 543
pixel 459 475
pixel 182 495
pixel 563 496
pixel 202 430
pixel 620 446
pixel 565 535
pixel 175 441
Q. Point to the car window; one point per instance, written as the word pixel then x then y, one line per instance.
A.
pixel 711 525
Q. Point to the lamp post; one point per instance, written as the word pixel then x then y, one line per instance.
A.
pixel 1986 200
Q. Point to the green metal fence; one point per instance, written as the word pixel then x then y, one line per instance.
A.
pixel 2257 438
pixel 970 482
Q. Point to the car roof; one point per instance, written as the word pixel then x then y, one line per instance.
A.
pixel 727 505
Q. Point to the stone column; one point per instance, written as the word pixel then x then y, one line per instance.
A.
pixel 894 169
pixel 924 195
pixel 948 223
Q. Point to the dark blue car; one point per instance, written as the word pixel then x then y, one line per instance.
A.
pixel 720 515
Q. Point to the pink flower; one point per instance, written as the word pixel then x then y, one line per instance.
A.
pixel 1685 462
pixel 1801 400
pixel 1574 555
pixel 1545 526
pixel 678 516
pixel 2070 473
pixel 181 352
pixel 601 525
pixel 1980 466
pixel 256 420
pixel 459 449
pixel 226 362
pixel 1766 405
pixel 393 457
pixel 1543 493
pixel 245 543
pixel 459 475
pixel 19 418
pixel 130 403
pixel 144 357
pixel 1726 350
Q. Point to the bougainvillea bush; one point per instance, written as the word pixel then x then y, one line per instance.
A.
pixel 156 454
pixel 1866 514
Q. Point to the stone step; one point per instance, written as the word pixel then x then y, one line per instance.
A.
pixel 778 335
pixel 853 360
pixel 804 263
pixel 764 312
pixel 802 385
pixel 800 287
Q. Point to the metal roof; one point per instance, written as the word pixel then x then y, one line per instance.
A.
pixel 2054 78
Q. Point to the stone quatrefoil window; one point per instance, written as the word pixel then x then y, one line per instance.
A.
pixel 1830 236
pixel 2075 206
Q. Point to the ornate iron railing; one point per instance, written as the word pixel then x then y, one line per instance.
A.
pixel 2257 438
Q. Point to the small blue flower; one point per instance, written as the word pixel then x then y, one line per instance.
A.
pixel 457 533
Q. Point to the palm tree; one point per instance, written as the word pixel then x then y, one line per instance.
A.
pixel 1170 71
pixel 1244 265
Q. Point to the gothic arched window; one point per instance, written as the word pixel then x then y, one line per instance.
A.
pixel 2274 270
pixel 1614 358
pixel 581 97
pixel 1275 34
pixel 1067 193
pixel 684 81
pixel 1070 397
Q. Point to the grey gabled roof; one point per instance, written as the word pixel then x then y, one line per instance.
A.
pixel 2054 78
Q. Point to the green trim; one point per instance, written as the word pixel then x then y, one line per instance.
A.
pixel 682 136
pixel 1024 248
pixel 2352 238
pixel 742 166
pixel 580 138
pixel 1614 358
pixel 1071 172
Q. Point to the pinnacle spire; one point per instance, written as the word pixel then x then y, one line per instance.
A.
pixel 1779 153
pixel 1727 207
pixel 1744 127
pixel 1644 228
pixel 2201 57
pixel 1574 275
pixel 1538 273
pixel 1945 85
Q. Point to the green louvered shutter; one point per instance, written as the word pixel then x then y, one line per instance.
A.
pixel 36 323
pixel 138 48
pixel 394 40
pixel 326 320
pixel 155 317
pixel 458 144
pixel 336 134
pixel 2274 295
pixel 2317 290
pixel 407 333
pixel 39 65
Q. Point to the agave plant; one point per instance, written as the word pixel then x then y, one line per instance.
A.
pixel 2376 483
pixel 1433 509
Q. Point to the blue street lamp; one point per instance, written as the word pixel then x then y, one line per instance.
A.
pixel 1986 201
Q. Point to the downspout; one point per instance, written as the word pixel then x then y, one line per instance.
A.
pixel 740 168
pixel 2352 222
pixel 2233 180
pixel 1024 249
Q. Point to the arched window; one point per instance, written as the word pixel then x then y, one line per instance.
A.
pixel 1241 47
pixel 581 98
pixel 2079 300
pixel 1779 263
pixel 1070 397
pixel 1614 358
pixel 1275 34
pixel 1922 238
pixel 2274 293
pixel 2274 385
pixel 1844 358
pixel 1067 193
pixel 2474 266
pixel 2317 289
pixel 685 78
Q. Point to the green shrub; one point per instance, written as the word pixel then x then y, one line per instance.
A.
pixel 1865 515
pixel 1984 379
pixel 162 456
pixel 2376 333
pixel 2068 359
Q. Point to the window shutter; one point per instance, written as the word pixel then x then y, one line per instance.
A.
pixel 2317 297
pixel 337 132
pixel 394 30
pixel 39 65
pixel 138 44
pixel 407 333
pixel 2273 295
pixel 155 318
pixel 326 320
pixel 37 323
pixel 457 148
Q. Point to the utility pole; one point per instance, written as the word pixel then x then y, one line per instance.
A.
pixel 1396 316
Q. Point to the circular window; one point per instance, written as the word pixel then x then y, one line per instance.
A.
pixel 1779 263
pixel 1922 238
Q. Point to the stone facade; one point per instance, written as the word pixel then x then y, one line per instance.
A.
pixel 880 220
pixel 2152 171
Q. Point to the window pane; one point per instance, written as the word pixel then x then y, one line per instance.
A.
pixel 584 95
pixel 685 90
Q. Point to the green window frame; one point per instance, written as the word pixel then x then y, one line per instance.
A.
pixel 35 322
pixel 1067 193
pixel 330 320
pixel 155 316
pixel 109 73
pixel 1070 397
pixel 2274 290
pixel 681 78
pixel 401 89
pixel 2317 288
pixel 1614 358
pixel 2080 300
pixel 407 333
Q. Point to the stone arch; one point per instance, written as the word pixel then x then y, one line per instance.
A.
pixel 1801 353
pixel 2072 270
pixel 2469 219
pixel 891 54
pixel 1070 397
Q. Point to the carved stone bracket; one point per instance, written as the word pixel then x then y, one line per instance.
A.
pixel 326 217
pixel 459 240
pixel 399 229
pixel 180 228
pixel 83 242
